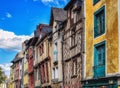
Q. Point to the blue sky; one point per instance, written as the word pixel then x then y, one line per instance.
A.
pixel 18 20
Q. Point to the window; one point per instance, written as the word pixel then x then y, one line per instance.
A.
pixel 41 50
pixel 99 59
pixel 35 74
pixel 36 55
pixel 95 1
pixel 47 72
pixel 74 67
pixel 73 36
pixel 55 52
pixel 78 15
pixel 99 22
pixel 38 74
pixel 55 73
pixel 43 74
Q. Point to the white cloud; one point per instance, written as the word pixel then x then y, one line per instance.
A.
pixel 11 41
pixel 54 3
pixel 6 68
pixel 8 15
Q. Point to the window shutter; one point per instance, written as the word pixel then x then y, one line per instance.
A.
pixel 95 26
pixel 99 57
pixel 104 21
pixel 95 57
pixel 104 55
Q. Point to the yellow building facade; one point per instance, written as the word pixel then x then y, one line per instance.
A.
pixel 102 42
pixel 11 83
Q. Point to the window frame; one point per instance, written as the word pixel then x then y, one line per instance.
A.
pixel 95 1
pixel 99 12
pixel 96 64
pixel 55 53
pixel 73 37
pixel 74 67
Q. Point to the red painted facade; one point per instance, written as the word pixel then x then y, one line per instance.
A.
pixel 30 67
pixel 43 67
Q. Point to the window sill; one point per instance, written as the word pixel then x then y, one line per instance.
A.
pixel 73 46
pixel 98 35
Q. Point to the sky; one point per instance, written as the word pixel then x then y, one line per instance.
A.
pixel 18 20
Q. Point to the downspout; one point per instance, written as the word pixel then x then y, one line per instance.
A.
pixel 62 61
pixel 83 39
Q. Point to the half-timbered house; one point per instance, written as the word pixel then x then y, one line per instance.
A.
pixel 72 44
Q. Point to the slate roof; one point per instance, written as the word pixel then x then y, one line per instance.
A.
pixel 18 57
pixel 58 14
pixel 46 30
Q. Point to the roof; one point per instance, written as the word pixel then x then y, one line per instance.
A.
pixel 45 30
pixel 18 57
pixel 31 42
pixel 72 2
pixel 57 14
pixel 69 4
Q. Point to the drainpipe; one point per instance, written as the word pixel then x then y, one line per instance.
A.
pixel 62 60
pixel 83 39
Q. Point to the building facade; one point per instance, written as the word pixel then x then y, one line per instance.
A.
pixel 30 58
pixel 44 56
pixel 25 65
pixel 12 76
pixel 102 67
pixel 37 79
pixel 17 62
pixel 58 15
pixel 72 44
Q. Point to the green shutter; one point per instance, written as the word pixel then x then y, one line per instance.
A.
pixel 99 55
pixel 99 17
pixel 95 26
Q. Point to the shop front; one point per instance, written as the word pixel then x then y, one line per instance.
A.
pixel 101 83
